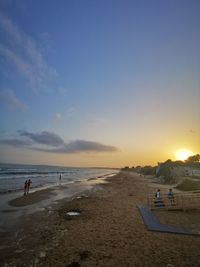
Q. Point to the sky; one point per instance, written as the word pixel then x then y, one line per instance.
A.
pixel 108 83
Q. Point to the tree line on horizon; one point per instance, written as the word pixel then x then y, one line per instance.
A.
pixel 165 169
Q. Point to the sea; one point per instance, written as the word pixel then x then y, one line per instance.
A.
pixel 73 181
pixel 13 176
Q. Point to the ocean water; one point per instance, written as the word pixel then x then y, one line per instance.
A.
pixel 13 176
pixel 73 181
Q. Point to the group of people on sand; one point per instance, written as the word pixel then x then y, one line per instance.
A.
pixel 27 186
pixel 170 195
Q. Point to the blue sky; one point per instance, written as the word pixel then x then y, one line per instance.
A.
pixel 117 82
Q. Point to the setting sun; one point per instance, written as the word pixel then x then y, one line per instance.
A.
pixel 183 154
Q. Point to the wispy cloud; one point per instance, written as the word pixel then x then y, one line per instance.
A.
pixel 53 143
pixel 94 120
pixel 70 112
pixel 10 99
pixel 17 61
pixel 22 52
pixel 58 117
pixel 66 115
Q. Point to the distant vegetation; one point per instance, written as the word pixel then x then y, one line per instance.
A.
pixel 146 170
pixel 193 159
pixel 173 172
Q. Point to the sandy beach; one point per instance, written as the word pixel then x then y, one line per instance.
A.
pixel 108 232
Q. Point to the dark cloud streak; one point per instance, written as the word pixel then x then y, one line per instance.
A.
pixel 79 146
pixel 44 138
pixel 16 142
pixel 53 143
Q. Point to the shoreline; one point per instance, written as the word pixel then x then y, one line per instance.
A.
pixel 108 232
pixel 46 193
pixel 14 206
pixel 31 198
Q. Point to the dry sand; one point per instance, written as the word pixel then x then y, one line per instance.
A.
pixel 109 232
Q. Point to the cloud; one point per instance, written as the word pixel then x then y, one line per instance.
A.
pixel 9 97
pixel 53 143
pixel 79 146
pixel 44 138
pixel 68 114
pixel 58 117
pixel 22 66
pixel 94 120
pixel 16 142
pixel 22 52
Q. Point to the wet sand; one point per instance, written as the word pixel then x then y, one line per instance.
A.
pixel 108 232
pixel 31 198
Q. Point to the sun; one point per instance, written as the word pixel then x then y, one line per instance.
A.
pixel 183 154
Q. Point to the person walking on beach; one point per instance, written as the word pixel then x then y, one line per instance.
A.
pixel 60 177
pixel 29 185
pixel 25 187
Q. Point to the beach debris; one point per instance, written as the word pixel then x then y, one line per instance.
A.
pixel 19 250
pixel 50 212
pixel 80 197
pixel 72 213
pixel 42 254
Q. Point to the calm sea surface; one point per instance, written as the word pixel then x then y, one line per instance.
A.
pixel 13 176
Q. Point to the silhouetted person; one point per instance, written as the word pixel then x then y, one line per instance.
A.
pixel 29 185
pixel 25 187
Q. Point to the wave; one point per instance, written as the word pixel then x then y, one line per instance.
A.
pixel 12 177
pixel 33 172
pixel 7 191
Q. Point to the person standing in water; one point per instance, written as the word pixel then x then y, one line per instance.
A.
pixel 25 187
pixel 29 185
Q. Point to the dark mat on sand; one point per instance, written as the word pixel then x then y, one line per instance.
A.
pixel 153 224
